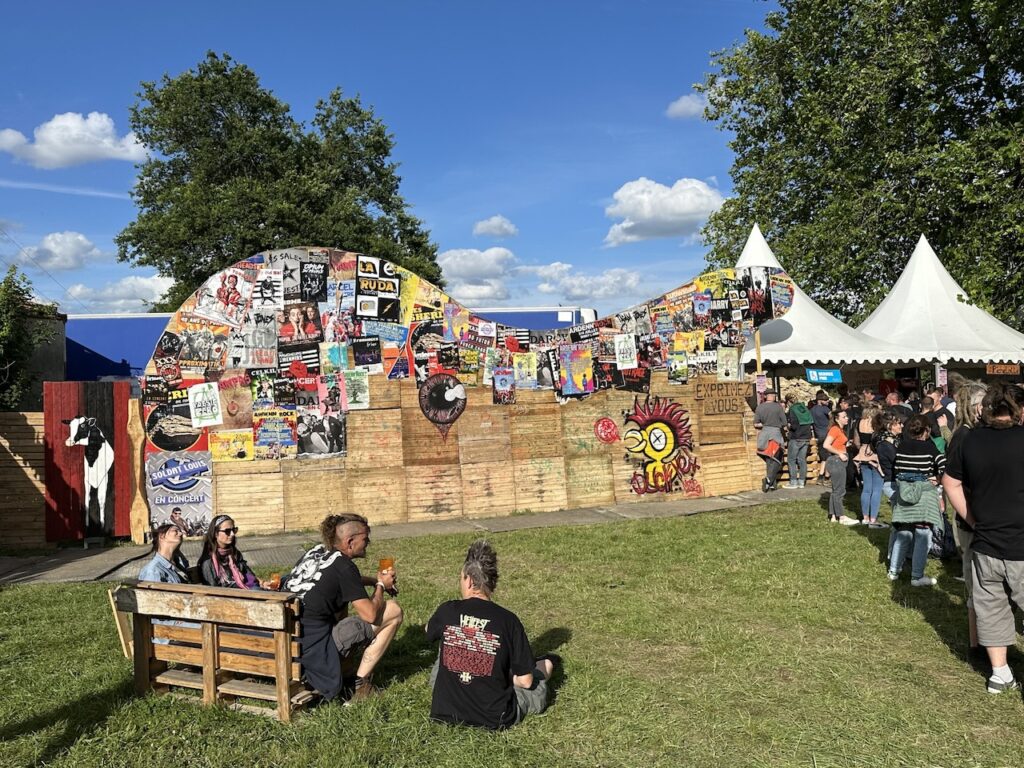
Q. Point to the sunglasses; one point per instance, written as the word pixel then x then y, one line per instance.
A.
pixel 228 530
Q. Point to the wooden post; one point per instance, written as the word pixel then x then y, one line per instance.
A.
pixel 139 515
pixel 283 669
pixel 211 662
pixel 757 348
pixel 142 645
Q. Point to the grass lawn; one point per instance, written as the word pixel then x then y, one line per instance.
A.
pixel 754 637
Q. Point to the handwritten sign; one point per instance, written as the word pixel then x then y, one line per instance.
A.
pixel 723 397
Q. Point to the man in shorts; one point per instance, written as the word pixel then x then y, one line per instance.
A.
pixel 485 674
pixel 328 582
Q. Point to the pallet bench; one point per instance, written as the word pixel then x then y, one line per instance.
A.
pixel 239 644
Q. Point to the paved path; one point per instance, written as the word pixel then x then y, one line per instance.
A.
pixel 74 564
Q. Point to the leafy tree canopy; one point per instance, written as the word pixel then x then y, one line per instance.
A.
pixel 860 124
pixel 231 173
pixel 23 328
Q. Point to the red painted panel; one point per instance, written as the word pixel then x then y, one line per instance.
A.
pixel 64 466
pixel 122 479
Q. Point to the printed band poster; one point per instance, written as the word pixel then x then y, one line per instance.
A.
pixel 576 373
pixel 625 351
pixel 204 404
pixel 357 389
pixel 504 382
pixel 320 433
pixel 525 366
pixel 273 432
pixel 224 298
pixel 179 489
pixel 313 277
pixel 268 292
pixel 728 362
pixel 299 324
pixel 235 389
pixel 378 290
pixel 231 445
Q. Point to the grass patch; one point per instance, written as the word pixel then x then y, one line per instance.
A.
pixel 758 637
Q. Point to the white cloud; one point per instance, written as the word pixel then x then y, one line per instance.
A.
pixel 72 139
pixel 558 278
pixel 687 106
pixel 60 251
pixel 650 210
pixel 474 275
pixel 496 226
pixel 62 190
pixel 129 294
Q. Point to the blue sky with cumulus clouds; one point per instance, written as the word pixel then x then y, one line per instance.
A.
pixel 555 150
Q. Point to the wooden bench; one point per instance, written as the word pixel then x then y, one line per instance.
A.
pixel 244 647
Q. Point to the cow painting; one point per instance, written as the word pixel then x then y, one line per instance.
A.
pixel 99 460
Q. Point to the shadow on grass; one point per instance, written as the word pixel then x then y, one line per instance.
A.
pixel 409 654
pixel 78 718
pixel 550 641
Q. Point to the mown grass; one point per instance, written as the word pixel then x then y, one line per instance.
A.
pixel 753 638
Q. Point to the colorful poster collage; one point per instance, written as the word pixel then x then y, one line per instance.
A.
pixel 267 358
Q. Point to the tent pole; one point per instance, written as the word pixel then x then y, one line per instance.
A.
pixel 757 349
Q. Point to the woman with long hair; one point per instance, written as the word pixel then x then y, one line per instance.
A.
pixel 168 564
pixel 867 464
pixel 835 466
pixel 222 564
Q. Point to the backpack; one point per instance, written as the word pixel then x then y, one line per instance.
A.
pixel 943 545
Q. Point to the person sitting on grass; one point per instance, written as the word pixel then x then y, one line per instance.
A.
pixel 168 565
pixel 328 582
pixel 485 674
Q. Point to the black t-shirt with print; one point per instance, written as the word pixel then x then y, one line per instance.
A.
pixel 337 584
pixel 990 464
pixel 482 646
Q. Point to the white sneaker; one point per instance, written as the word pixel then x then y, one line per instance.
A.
pixel 924 581
pixel 848 520
pixel 892 576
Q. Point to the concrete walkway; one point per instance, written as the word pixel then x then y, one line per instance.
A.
pixel 125 561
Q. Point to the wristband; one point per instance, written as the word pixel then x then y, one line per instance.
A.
pixel 381 585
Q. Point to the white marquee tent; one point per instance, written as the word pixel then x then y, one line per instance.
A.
pixel 927 313
pixel 807 333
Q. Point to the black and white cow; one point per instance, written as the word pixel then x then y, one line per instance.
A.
pixel 99 458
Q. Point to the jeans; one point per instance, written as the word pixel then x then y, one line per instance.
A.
pixel 871 494
pixel 797 455
pixel 901 542
pixel 837 473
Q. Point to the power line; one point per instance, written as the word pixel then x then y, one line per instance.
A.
pixel 23 250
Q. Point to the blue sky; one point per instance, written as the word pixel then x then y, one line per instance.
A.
pixel 538 141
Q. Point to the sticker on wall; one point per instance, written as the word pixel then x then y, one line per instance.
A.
pixel 442 400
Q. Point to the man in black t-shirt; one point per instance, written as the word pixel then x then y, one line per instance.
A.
pixel 328 582
pixel 485 674
pixel 984 481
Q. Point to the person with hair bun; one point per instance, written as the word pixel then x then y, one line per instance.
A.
pixel 328 583
pixel 485 674
pixel 985 484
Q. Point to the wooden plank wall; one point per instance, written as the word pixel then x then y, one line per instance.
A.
pixel 22 475
pixel 532 456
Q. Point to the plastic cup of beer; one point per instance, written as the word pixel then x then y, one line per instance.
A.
pixel 275 581
pixel 386 564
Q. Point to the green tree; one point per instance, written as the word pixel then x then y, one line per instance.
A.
pixel 24 326
pixel 231 173
pixel 860 124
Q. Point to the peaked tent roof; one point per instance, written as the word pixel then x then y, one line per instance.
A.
pixel 927 311
pixel 807 333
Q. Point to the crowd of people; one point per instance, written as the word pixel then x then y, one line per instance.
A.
pixel 485 674
pixel 924 454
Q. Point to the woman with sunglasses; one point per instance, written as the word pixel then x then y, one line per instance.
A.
pixel 221 564
pixel 168 564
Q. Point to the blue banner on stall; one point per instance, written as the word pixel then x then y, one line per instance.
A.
pixel 824 376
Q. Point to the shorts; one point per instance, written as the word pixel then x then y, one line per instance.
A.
pixel 532 700
pixel 352 634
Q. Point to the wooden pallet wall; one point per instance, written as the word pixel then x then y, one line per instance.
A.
pixel 532 456
pixel 22 476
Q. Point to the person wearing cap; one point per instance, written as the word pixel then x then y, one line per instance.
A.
pixel 770 421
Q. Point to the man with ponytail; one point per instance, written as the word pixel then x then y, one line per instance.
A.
pixel 985 483
pixel 328 582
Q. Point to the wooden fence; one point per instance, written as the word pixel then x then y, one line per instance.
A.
pixel 22 503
